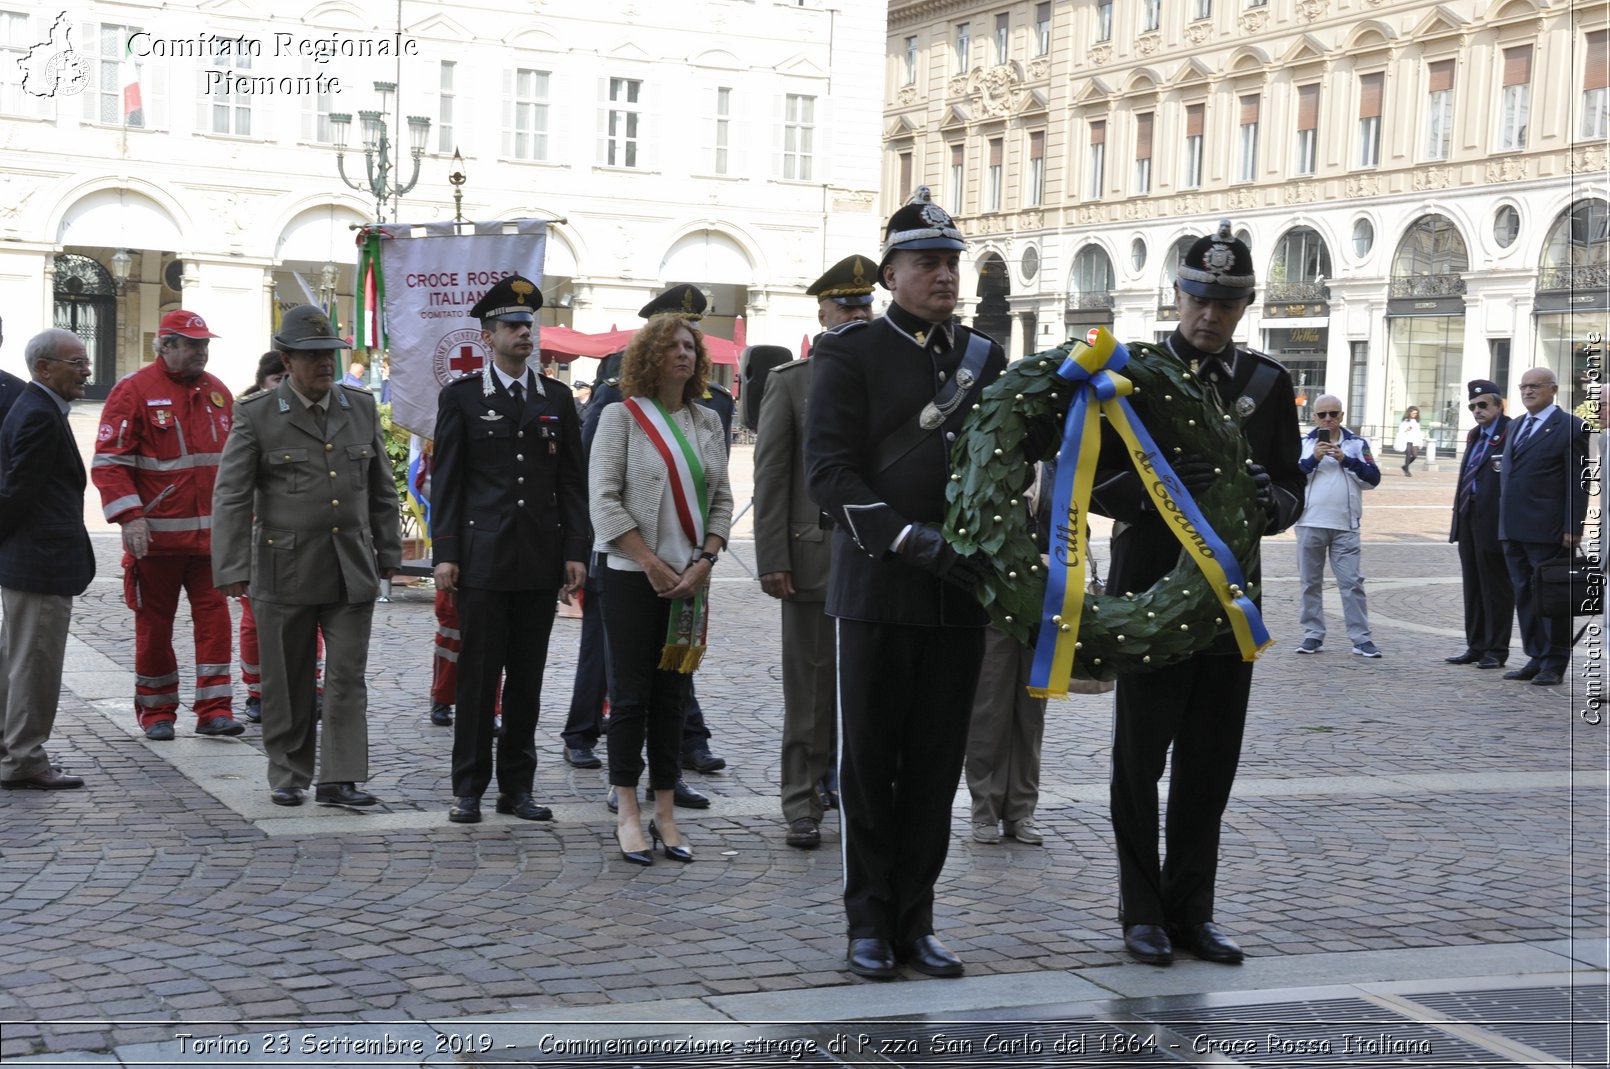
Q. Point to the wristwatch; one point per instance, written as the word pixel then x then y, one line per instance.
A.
pixel 711 557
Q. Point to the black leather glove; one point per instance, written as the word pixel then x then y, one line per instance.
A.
pixel 925 547
pixel 1263 491
pixel 1197 474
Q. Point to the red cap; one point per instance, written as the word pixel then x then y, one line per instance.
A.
pixel 185 324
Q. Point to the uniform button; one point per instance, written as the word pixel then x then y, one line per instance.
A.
pixel 335 502
pixel 332 475
pixel 520 504
pixel 328 448
pixel 520 479
pixel 472 523
pixel 519 456
pixel 941 376
pixel 519 434
pixel 950 436
pixel 271 541
pixel 335 530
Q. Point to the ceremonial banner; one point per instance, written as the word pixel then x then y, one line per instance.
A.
pixel 431 276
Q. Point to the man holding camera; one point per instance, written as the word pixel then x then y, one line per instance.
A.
pixel 1340 468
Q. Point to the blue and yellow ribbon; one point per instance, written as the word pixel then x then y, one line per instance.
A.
pixel 1094 373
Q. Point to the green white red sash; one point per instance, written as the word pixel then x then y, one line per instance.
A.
pixel 685 637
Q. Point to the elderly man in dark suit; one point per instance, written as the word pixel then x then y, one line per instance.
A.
pixel 509 519
pixel 792 553
pixel 306 511
pixel 45 555
pixel 1545 499
pixel 1489 595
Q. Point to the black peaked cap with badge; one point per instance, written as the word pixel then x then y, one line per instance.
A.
pixel 1481 387
pixel 514 299
pixel 920 224
pixel 684 299
pixel 307 327
pixel 849 282
pixel 1218 267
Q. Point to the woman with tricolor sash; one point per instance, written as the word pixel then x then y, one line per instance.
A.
pixel 661 510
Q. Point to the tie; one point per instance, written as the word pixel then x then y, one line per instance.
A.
pixel 1526 431
pixel 517 392
pixel 318 417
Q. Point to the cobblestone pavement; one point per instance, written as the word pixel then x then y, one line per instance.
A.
pixel 1382 806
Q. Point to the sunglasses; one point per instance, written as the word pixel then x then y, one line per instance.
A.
pixel 1479 405
pixel 1327 415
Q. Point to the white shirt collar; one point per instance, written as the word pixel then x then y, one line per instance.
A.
pixel 528 380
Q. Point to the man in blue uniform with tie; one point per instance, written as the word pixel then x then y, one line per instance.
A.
pixel 1489 595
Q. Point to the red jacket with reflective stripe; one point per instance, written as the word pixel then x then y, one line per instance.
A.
pixel 157 453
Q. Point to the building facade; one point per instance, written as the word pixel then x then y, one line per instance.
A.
pixel 157 155
pixel 1423 184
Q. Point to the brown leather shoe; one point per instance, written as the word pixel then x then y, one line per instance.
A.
pixel 804 834
pixel 52 779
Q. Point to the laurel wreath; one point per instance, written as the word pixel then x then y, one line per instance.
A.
pixel 1119 632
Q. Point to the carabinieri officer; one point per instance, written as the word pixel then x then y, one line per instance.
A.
pixel 889 398
pixel 509 516
pixel 1198 706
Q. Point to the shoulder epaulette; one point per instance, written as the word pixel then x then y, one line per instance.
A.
pixel 984 334
pixel 716 387
pixel 253 398
pixel 614 383
pixel 790 364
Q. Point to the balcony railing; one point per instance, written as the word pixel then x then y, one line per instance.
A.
pixel 1586 278
pixel 1083 302
pixel 1295 292
pixel 1426 286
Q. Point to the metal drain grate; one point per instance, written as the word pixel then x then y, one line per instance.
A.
pixel 1324 1033
pixel 1568 1023
pixel 1070 1044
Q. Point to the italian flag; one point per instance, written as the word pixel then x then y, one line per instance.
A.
pixel 369 331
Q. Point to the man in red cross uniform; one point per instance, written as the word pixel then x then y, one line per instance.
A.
pixel 156 457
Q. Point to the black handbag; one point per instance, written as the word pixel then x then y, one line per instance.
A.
pixel 1568 586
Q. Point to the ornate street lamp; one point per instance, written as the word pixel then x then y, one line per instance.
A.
pixel 122 264
pixel 457 180
pixel 378 153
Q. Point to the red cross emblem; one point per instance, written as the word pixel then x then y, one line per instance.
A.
pixel 467 360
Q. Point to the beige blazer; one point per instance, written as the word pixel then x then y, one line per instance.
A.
pixel 626 478
pixel 303 515
pixel 788 529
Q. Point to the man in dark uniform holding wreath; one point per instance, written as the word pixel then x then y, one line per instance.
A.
pixel 889 398
pixel 1198 706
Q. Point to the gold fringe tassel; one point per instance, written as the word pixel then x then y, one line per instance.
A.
pixel 684 659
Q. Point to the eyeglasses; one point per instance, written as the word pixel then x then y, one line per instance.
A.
pixel 1327 415
pixel 81 365
pixel 1525 386
pixel 1479 405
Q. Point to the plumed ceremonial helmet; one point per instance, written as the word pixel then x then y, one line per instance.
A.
pixel 307 327
pixel 514 299
pixel 920 224
pixel 683 300
pixel 1218 267
pixel 1480 387
pixel 849 282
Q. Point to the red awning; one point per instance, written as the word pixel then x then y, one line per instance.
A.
pixel 563 345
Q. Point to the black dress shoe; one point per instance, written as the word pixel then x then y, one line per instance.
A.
pixel 160 731
pixel 441 714
pixel 1525 671
pixel 1208 942
pixel 1468 657
pixel 1546 678
pixel 805 834
pixel 466 810
pixel 929 956
pixel 611 801
pixel 1148 944
pixel 700 759
pixel 522 805
pixel 253 710
pixel 342 794
pixel 582 757
pixel 688 798
pixel 872 958
pixel 636 857
pixel 220 725
pixel 287 796
pixel 51 779
pixel 681 853
pixel 1490 661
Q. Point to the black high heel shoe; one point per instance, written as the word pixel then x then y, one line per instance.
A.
pixel 675 853
pixel 636 857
